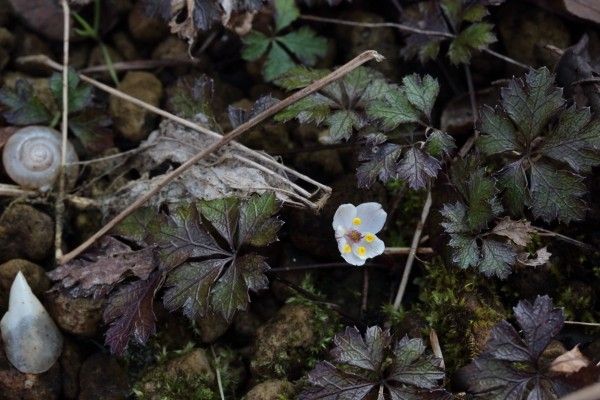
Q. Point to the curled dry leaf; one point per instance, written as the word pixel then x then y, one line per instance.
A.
pixel 569 362
pixel 541 257
pixel 518 231
pixel 225 176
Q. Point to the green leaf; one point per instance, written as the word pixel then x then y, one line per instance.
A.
pixel 299 77
pixel 416 168
pixel 497 258
pixel 365 353
pixel 475 13
pixel 481 199
pixel 456 216
pixel 255 45
pixel 475 37
pixel 512 180
pixel 421 92
pixel 439 144
pixel 278 62
pixel 394 110
pixel 574 140
pixel 230 293
pixel 556 194
pixel 223 215
pixel 314 108
pixel 190 96
pixel 140 226
pixel 465 252
pixel 305 45
pixel 341 124
pixel 499 134
pixel 23 107
pixel 80 96
pixel 531 104
pixel 412 367
pixel 189 286
pixel 257 227
pixel 286 12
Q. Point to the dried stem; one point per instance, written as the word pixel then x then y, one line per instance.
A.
pixel 232 135
pixel 406 28
pixel 16 191
pixel 413 250
pixel 579 323
pixel 218 372
pixel 365 292
pixel 42 59
pixel 435 347
pixel 59 205
pixel 406 250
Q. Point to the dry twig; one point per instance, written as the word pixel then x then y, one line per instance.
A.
pixel 232 135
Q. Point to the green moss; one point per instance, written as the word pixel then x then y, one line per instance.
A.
pixel 461 306
pixel 181 387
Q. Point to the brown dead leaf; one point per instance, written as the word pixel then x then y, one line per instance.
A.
pixel 100 269
pixel 518 231
pixel 570 362
pixel 541 257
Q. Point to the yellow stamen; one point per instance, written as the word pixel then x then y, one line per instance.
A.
pixel 357 221
pixel 361 251
pixel 369 237
pixel 347 248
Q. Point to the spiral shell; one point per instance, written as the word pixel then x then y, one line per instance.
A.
pixel 31 157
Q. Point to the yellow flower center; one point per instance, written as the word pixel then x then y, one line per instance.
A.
pixel 369 237
pixel 361 251
pixel 357 221
pixel 347 249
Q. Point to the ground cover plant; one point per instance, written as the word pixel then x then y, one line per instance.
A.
pixel 311 199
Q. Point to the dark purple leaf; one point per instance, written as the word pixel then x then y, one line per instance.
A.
pixel 540 322
pixel 417 167
pixel 380 161
pixel 329 383
pixel 130 313
pixel 413 367
pixel 365 353
pixel 22 106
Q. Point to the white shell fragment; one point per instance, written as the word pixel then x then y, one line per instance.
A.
pixel 31 339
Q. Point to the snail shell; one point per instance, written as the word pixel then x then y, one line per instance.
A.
pixel 31 157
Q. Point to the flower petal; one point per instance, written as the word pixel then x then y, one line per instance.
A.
pixel 351 258
pixel 343 216
pixel 373 217
pixel 375 248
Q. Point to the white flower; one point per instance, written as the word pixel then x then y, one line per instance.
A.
pixel 355 231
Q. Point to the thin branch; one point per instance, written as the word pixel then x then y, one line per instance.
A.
pixel 232 135
pixel 566 239
pixel 78 202
pixel 59 205
pixel 42 59
pixel 409 29
pixel 320 266
pixel 365 292
pixel 406 250
pixel 135 65
pixel 413 250
pixel 592 324
pixel 435 347
pixel 218 372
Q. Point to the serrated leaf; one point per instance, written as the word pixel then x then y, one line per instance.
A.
pixel 341 124
pixel 255 45
pixel 465 251
pixel 22 106
pixel 439 144
pixel 417 168
pixel 305 44
pixel 496 258
pixel 429 16
pixel 230 292
pixel 223 215
pixel 80 96
pixel 328 382
pixel 394 110
pixel 531 104
pixel 481 200
pixel 421 92
pixel 499 134
pixel 380 162
pixel 257 227
pixel 520 232
pixel 556 194
pixel 474 37
pixel 299 77
pixel 574 140
pixel 190 96
pixel 189 286
pixel 314 108
pixel 130 314
pixel 278 62
pixel 540 322
pixel 412 367
pixel 286 12
pixel 365 353
pixel 512 180
pixel 455 215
